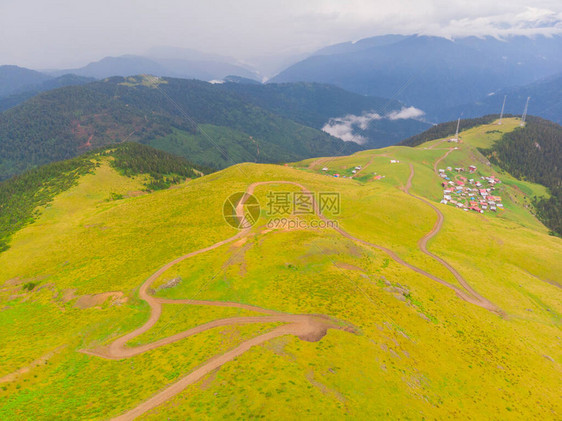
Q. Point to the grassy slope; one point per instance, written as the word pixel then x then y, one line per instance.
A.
pixel 427 354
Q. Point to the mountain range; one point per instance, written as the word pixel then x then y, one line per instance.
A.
pixel 431 73
pixel 186 68
pixel 545 101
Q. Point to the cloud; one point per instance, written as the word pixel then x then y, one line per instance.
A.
pixel 346 128
pixel 405 113
pixel 529 22
pixel 37 33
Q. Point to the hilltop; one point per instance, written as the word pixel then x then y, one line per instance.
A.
pixel 190 118
pixel 13 78
pixel 214 125
pixel 390 305
pixel 21 196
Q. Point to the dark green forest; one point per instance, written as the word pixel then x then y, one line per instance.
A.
pixel 164 169
pixel 313 104
pixel 65 122
pixel 534 153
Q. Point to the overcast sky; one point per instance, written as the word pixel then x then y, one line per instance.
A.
pixel 68 33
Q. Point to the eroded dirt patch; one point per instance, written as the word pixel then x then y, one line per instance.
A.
pixel 97 300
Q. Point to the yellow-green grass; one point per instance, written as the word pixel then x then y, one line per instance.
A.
pixel 102 246
pixel 470 356
pixel 480 136
pixel 72 385
pixel 419 350
pixel 400 364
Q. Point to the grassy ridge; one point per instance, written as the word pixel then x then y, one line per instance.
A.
pixel 420 351
pixel 534 153
pixel 449 128
pixel 21 196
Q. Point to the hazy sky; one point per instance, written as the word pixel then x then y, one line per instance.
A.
pixel 67 33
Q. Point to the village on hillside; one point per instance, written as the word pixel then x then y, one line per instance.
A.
pixel 464 189
pixel 471 192
pixel 355 171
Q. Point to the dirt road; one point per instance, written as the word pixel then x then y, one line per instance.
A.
pixel 422 243
pixel 304 326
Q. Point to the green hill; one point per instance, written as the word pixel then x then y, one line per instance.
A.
pixel 532 153
pixel 116 299
pixel 22 195
pixel 197 120
pixel 314 104
pixel 447 129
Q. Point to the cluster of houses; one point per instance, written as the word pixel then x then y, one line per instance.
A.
pixel 474 194
pixel 337 175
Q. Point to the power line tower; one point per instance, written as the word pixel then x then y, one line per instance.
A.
pixel 503 107
pixel 524 116
pixel 458 125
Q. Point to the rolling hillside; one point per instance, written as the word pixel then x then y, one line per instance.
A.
pixel 210 124
pixel 315 105
pixel 390 305
pixel 62 123
pixel 22 195
pixel 532 152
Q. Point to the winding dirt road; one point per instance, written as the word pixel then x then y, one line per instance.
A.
pixel 305 326
pixel 422 244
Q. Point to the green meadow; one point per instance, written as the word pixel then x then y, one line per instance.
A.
pixel 418 351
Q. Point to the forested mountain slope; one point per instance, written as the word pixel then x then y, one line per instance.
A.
pixel 200 121
pixel 534 153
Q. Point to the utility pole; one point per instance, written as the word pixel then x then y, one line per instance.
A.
pixel 503 107
pixel 524 116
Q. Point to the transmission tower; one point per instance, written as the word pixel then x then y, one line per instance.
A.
pixel 524 116
pixel 503 107
pixel 458 125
